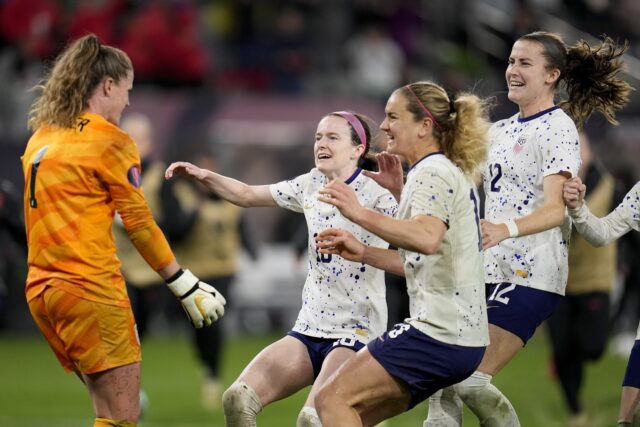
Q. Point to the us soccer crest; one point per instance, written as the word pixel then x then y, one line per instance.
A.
pixel 519 145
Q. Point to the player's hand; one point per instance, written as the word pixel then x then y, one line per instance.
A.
pixel 202 302
pixel 340 195
pixel 492 234
pixel 185 169
pixel 390 174
pixel 573 192
pixel 340 242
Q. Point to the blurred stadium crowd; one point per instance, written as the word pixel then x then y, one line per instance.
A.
pixel 249 79
pixel 303 49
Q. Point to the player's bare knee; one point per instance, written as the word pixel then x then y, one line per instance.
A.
pixel 324 400
pixel 240 401
pixel 308 417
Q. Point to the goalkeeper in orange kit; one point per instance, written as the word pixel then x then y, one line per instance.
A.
pixel 79 169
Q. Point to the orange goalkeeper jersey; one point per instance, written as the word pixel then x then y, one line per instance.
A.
pixel 75 181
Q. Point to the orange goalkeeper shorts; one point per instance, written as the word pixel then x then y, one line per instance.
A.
pixel 86 336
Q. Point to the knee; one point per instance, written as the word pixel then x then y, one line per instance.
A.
pixel 308 417
pixel 232 398
pixel 240 399
pixel 324 400
pixel 321 400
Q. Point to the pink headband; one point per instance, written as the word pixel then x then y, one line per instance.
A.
pixel 355 123
pixel 424 108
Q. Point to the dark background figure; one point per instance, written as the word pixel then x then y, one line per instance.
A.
pixel 207 234
pixel 143 286
pixel 626 304
pixel 13 248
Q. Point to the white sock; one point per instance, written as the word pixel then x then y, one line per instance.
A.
pixel 488 403
pixel 445 409
pixel 241 405
pixel 308 417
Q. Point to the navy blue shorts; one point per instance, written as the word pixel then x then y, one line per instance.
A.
pixel 632 375
pixel 426 365
pixel 319 348
pixel 519 309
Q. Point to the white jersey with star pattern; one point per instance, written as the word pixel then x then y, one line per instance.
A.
pixel 340 299
pixel 446 289
pixel 522 153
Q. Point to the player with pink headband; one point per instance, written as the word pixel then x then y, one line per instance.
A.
pixel 343 302
pixel 437 232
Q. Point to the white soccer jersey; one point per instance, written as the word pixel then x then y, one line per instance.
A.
pixel 446 289
pixel 602 231
pixel 340 299
pixel 522 152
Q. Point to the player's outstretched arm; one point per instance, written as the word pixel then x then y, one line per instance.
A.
pixel 230 189
pixel 202 303
pixel 602 231
pixel 344 244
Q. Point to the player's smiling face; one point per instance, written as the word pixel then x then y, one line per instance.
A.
pixel 334 151
pixel 529 82
pixel 399 125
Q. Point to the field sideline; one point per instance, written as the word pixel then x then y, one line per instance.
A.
pixel 35 391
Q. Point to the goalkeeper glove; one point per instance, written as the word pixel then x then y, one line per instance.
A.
pixel 202 302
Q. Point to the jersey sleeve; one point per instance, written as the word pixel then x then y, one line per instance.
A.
pixel 630 207
pixel 560 148
pixel 602 231
pixel 386 204
pixel 433 195
pixel 289 194
pixel 120 173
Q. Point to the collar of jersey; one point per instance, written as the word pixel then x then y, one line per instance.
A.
pixel 354 176
pixel 89 115
pixel 536 115
pixel 428 155
pixel 97 118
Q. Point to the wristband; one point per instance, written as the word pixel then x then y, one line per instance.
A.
pixel 513 228
pixel 175 276
pixel 183 283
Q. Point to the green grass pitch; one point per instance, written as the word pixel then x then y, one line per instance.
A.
pixel 36 392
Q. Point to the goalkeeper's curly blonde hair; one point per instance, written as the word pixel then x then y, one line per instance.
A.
pixel 75 74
